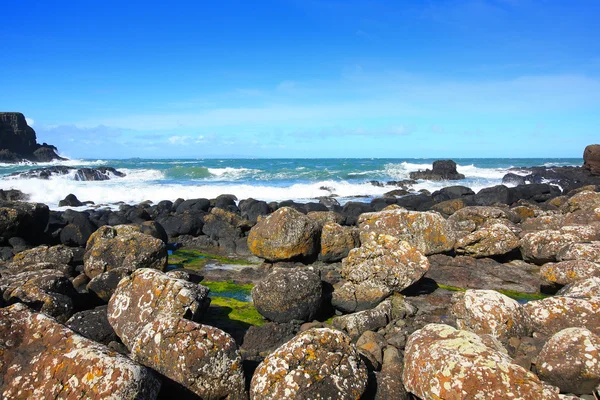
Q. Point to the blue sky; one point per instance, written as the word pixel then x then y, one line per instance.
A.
pixel 304 78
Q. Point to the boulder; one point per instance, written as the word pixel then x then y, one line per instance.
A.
pixel 260 341
pixel 287 295
pixel 565 272
pixel 325 217
pixel 78 230
pixel 318 363
pixel 122 246
pixel 591 158
pixel 48 291
pixel 202 358
pixel 184 223
pixel 442 170
pixel 451 193
pixel 284 235
pixel 70 201
pixel 337 241
pixel 570 359
pixel 449 207
pixel 428 232
pixel 589 287
pixel 193 206
pixel 105 284
pixel 580 251
pixel 499 194
pixel 388 385
pixel 57 255
pixel 353 209
pixel 543 246
pixel 225 227
pixel 43 359
pixel 93 324
pixel 13 195
pixel 582 201
pixel 441 362
pixel 350 297
pixel 469 219
pixel 495 240
pixel 149 294
pixel 369 320
pixel 26 220
pixel 553 314
pixel 489 312
pixel 252 209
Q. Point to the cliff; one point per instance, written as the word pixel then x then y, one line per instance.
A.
pixel 18 141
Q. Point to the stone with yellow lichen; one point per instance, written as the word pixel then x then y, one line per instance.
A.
pixel 589 287
pixel 566 272
pixel 320 363
pixel 543 246
pixel 553 314
pixel 495 240
pixel 283 235
pixel 441 362
pixel 337 241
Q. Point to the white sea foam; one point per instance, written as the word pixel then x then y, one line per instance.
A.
pixel 232 173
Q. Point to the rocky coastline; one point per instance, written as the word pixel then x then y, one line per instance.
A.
pixel 450 295
pixel 18 142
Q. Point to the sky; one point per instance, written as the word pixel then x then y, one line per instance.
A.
pixel 305 78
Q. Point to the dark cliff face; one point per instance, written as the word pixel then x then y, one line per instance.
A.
pixel 18 141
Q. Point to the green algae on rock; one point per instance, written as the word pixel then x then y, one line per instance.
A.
pixel 237 291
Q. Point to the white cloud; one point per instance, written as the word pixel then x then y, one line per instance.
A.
pixel 29 121
pixel 179 140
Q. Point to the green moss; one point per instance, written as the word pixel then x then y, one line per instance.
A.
pixel 187 256
pixel 228 287
pixel 519 296
pixel 240 311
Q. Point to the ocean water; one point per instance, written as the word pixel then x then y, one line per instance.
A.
pixel 302 180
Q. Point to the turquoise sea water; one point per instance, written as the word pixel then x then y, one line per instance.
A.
pixel 265 179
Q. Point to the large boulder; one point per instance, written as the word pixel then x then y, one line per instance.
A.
pixel 356 324
pixel 386 261
pixel 565 272
pixel 316 364
pixel 184 223
pixel 543 246
pixel 589 287
pixel 283 235
pixel 30 259
pixel 337 241
pixel 489 312
pixel 428 232
pixel 202 358
pixel 46 290
pixel 586 200
pixel 224 226
pixel 591 158
pixel 553 314
pixel 93 324
pixel 571 360
pixel 122 246
pixel 469 219
pixel 445 363
pixel 580 251
pixel 494 240
pixel 149 294
pixel 287 295
pixel 42 359
pixel 26 220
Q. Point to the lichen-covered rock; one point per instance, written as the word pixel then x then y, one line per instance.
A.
pixel 202 358
pixel 337 241
pixel 316 364
pixel 326 217
pixel 543 222
pixel 287 295
pixel 489 312
pixel 441 362
pixel 543 246
pixel 585 233
pixel 389 384
pixel 566 272
pixel 589 287
pixel 350 297
pixel 449 207
pixel 283 235
pixel 149 294
pixel 428 232
pixel 42 359
pixel 580 251
pixel 220 224
pixel 582 201
pixel 48 291
pixel 495 240
pixel 469 219
pixel 122 246
pixel 385 260
pixel 553 314
pixel 571 360
pixel 59 254
pixel 26 220
pixel 93 324
pixel 369 320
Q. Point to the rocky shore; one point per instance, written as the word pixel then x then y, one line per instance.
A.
pixel 444 295
pixel 18 141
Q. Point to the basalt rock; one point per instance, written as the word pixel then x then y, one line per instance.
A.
pixel 551 315
pixel 495 240
pixel 591 158
pixel 93 324
pixel 283 235
pixel 337 241
pixel 544 246
pixel 566 272
pixel 442 170
pixel 59 255
pixel 444 363
pixel 316 364
pixel 122 246
pixel 26 220
pixel 43 359
pixel 78 174
pixel 18 141
pixel 585 288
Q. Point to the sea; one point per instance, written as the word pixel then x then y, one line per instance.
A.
pixel 301 180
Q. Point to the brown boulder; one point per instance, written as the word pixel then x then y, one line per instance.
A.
pixel 591 158
pixel 589 287
pixel 428 232
pixel 566 272
pixel 441 362
pixel 543 246
pixel 571 360
pixel 337 241
pixel 551 315
pixel 42 359
pixel 580 251
pixel 283 235
pixel 122 246
pixel 495 240
pixel 316 364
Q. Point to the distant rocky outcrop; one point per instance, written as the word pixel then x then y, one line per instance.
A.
pixel 81 174
pixel 442 170
pixel 19 143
